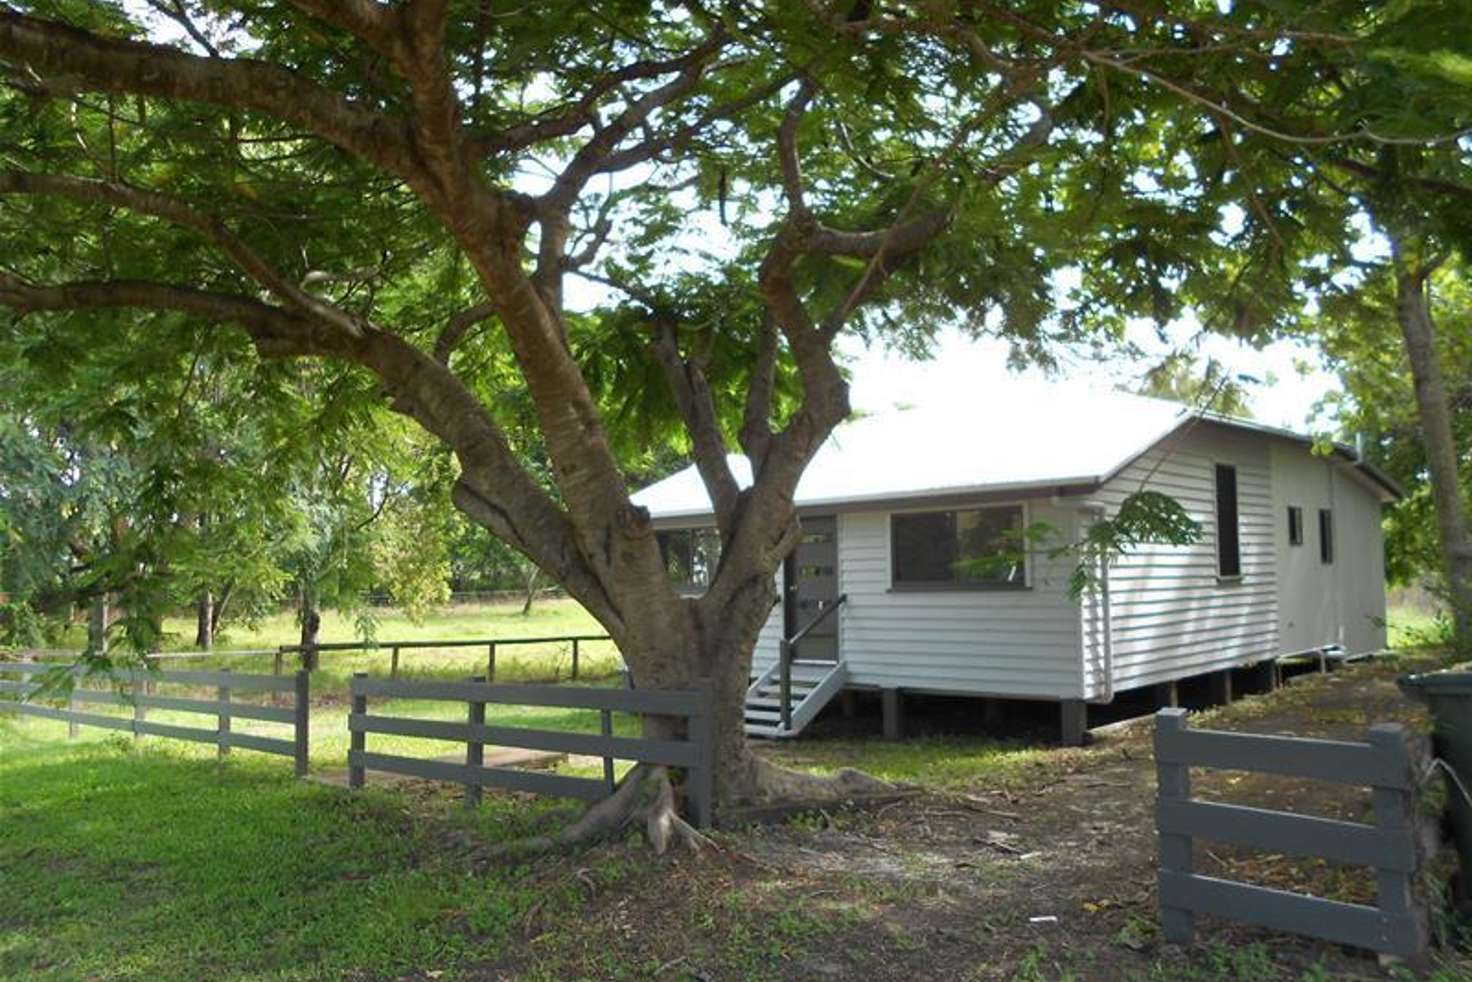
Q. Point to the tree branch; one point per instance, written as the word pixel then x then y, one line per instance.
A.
pixel 177 212
pixel 276 331
pixel 108 65
pixel 756 421
pixel 454 331
pixel 698 409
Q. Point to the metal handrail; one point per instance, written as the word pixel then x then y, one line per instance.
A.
pixel 784 657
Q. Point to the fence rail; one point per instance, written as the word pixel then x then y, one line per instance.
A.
pixel 695 753
pixel 137 689
pixel 309 652
pixel 1395 925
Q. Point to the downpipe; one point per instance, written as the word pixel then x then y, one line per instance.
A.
pixel 1098 510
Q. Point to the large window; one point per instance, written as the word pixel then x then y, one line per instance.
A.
pixel 1326 536
pixel 977 548
pixel 690 557
pixel 1228 538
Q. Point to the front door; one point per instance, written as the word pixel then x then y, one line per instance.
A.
pixel 810 575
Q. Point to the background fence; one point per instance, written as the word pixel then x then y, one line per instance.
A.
pixel 137 689
pixel 492 645
pixel 1395 925
pixel 695 753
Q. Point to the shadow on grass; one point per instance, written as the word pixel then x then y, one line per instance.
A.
pixel 120 863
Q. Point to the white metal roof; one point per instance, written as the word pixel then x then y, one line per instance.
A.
pixel 1017 436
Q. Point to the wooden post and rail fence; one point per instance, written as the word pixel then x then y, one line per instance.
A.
pixel 1395 925
pixel 695 753
pixel 492 645
pixel 138 689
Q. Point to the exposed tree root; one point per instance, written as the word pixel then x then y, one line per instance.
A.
pixel 770 784
pixel 645 796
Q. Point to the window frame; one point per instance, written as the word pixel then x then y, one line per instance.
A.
pixel 956 586
pixel 1326 536
pixel 1216 493
pixel 688 588
pixel 1295 525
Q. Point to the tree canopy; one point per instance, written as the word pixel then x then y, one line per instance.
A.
pixel 419 192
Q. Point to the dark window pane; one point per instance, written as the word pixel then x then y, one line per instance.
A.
pixel 980 546
pixel 1295 525
pixel 989 545
pixel 924 547
pixel 1228 541
pixel 1326 535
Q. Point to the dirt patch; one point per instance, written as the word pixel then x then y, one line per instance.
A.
pixel 1051 878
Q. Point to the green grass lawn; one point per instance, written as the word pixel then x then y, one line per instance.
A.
pixel 157 864
pixel 556 616
pixel 546 662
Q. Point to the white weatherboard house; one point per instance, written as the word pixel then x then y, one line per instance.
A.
pixel 1290 561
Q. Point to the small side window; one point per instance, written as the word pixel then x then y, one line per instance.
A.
pixel 1326 536
pixel 1295 525
pixel 1228 537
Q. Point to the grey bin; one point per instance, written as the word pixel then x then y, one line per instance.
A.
pixel 1448 695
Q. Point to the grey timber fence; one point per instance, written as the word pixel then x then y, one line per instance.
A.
pixel 1395 925
pixel 137 689
pixel 695 753
pixel 309 653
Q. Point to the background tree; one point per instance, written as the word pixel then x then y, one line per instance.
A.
pixel 410 189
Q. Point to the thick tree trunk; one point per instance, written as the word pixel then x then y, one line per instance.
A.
pixel 204 621
pixel 1413 311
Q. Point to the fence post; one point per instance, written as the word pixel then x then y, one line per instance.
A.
pixel 475 751
pixel 223 743
pixel 702 777
pixel 72 727
pixel 358 741
pixel 574 659
pixel 1394 815
pixel 607 729
pixel 1173 782
pixel 140 689
pixel 393 663
pixel 491 662
pixel 303 715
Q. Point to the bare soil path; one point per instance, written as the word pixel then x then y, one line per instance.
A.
pixel 1051 876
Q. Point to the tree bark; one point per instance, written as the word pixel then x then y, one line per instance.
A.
pixel 532 580
pixel 1413 311
pixel 97 625
pixel 204 621
pixel 311 621
pixel 217 611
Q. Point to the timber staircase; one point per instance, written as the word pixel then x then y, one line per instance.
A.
pixel 786 697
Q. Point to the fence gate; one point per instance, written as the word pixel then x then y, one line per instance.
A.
pixel 1395 925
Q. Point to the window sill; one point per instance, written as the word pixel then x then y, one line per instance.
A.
pixel 1229 580
pixel 959 587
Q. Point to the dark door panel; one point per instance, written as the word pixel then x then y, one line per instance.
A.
pixel 812 586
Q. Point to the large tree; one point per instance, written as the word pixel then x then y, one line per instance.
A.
pixel 409 188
